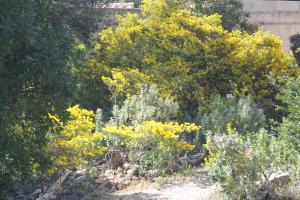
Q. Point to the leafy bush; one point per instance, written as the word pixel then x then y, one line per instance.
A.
pixel 237 162
pixel 142 126
pixel 190 57
pixel 73 143
pixel 147 105
pixel 290 97
pixel 242 113
pixel 233 16
pixel 151 144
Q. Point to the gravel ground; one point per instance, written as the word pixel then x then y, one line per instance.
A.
pixel 197 187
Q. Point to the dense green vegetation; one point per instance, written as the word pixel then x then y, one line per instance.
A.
pixel 170 81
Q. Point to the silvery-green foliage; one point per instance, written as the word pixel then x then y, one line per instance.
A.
pixel 242 113
pixel 99 120
pixel 147 105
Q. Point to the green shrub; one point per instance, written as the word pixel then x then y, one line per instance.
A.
pixel 237 163
pixel 242 113
pixel 147 105
pixel 289 129
pixel 143 127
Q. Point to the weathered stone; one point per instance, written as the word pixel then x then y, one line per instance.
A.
pixel 82 172
pixel 121 183
pixel 80 179
pixel 126 166
pixel 100 179
pixel 152 173
pixel 109 172
pixel 21 197
pixel 195 159
pixel 107 185
pixel 133 171
pixel 20 191
pixel 36 193
pixel 115 160
pixel 279 180
pixel 48 196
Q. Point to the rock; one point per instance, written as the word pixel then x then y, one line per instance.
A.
pixel 107 185
pixel 36 193
pixel 48 196
pixel 21 197
pixel 133 171
pixel 63 178
pixel 279 180
pixel 121 183
pixel 80 179
pixel 109 172
pixel 153 173
pixel 173 167
pixel 20 191
pixel 195 159
pixel 100 179
pixel 82 172
pixel 115 160
pixel 126 166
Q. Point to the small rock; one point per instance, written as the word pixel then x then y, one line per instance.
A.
pixel 152 173
pixel 82 172
pixel 21 197
pixel 107 185
pixel 109 172
pixel 121 183
pixel 80 179
pixel 195 159
pixel 36 193
pixel 20 191
pixel 126 166
pixel 133 171
pixel 48 196
pixel 115 160
pixel 100 179
pixel 174 167
pixel 279 180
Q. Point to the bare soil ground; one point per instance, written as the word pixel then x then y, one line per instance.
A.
pixel 178 187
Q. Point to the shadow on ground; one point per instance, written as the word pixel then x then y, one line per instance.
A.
pixel 135 196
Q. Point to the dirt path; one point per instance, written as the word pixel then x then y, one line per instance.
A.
pixel 197 187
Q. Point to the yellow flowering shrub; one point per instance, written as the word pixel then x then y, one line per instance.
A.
pixel 73 143
pixel 153 144
pixel 125 81
pixel 191 57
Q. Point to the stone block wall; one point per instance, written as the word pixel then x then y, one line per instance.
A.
pixel 278 17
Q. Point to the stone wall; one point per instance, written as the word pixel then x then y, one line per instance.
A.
pixel 279 17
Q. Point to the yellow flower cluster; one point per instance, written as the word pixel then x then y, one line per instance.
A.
pixel 125 81
pixel 76 143
pixel 167 134
pixel 190 57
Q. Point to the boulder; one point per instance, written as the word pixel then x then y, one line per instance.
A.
pixel 21 197
pixel 115 160
pixel 195 159
pixel 133 171
pixel 153 173
pixel 100 179
pixel 35 194
pixel 121 183
pixel 106 186
pixel 80 180
pixel 279 180
pixel 48 196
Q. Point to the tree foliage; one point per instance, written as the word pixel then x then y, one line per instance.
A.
pixel 233 15
pixel 35 78
pixel 72 144
pixel 191 57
